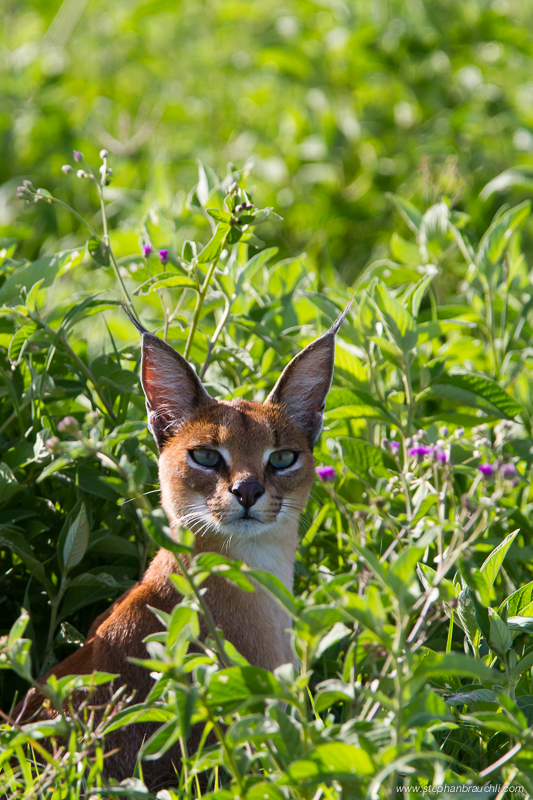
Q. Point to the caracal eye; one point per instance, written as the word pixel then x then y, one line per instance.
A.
pixel 205 457
pixel 283 459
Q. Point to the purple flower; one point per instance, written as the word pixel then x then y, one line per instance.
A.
pixel 326 473
pixel 508 471
pixel 421 450
pixel 163 256
pixel 52 443
pixel 442 456
pixel 68 425
pixel 77 156
pixel 387 444
pixel 147 249
pixel 487 470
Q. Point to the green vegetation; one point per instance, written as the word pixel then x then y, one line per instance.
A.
pixel 387 136
pixel 338 103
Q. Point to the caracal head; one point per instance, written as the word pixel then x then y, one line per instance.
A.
pixel 236 468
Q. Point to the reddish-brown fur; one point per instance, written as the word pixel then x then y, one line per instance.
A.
pixel 183 419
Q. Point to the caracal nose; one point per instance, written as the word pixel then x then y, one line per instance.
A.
pixel 247 492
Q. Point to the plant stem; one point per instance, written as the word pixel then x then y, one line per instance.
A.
pixel 215 336
pixel 207 615
pixel 73 211
pixel 107 243
pixel 229 755
pixel 409 398
pixel 199 303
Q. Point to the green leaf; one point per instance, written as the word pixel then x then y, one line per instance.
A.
pixel 404 251
pixel 328 762
pixel 218 214
pixel 99 251
pixel 473 390
pixel 500 639
pixel 359 455
pixel 214 247
pixel 520 602
pixel 18 627
pixel 471 697
pixel 351 404
pixel 9 486
pixel 492 564
pixel 525 704
pixel 133 714
pixel 275 587
pixel 169 282
pixel 262 791
pixel 222 566
pixel 411 215
pixel 183 621
pixel 237 687
pixel 253 265
pixel 162 740
pixel 524 665
pixel 494 241
pixel 76 541
pixel 445 664
pixel 521 176
pixel 397 319
pixel 520 624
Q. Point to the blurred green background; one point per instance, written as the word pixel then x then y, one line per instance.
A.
pixel 336 102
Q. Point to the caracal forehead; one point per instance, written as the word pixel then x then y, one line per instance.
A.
pixel 240 424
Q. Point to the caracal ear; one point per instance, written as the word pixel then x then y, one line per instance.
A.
pixel 304 383
pixel 173 391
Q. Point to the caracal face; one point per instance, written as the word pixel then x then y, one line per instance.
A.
pixel 238 469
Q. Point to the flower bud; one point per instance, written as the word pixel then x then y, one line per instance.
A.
pixel 326 473
pixel 66 168
pixel 163 256
pixel 508 471
pixel 147 249
pixel 421 451
pixel 80 173
pixel 77 156
pixel 444 432
pixel 68 425
pixel 52 444
pixel 103 154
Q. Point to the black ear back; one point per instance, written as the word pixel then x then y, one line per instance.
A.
pixel 303 386
pixel 172 389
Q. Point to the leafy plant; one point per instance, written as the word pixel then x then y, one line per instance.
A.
pixel 413 597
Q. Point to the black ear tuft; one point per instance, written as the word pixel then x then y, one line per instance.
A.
pixel 172 389
pixel 303 386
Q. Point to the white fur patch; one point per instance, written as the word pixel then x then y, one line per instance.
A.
pixel 264 552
